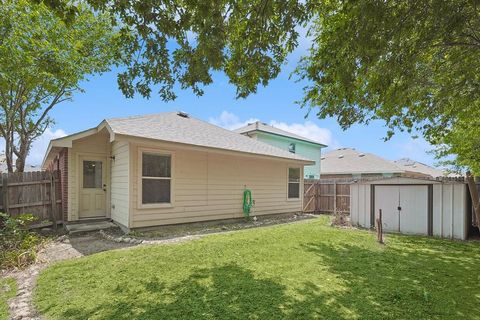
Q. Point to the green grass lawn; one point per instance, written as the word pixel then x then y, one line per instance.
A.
pixel 8 289
pixel 305 270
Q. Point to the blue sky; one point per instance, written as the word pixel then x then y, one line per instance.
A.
pixel 274 104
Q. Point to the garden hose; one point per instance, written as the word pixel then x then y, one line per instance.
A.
pixel 247 202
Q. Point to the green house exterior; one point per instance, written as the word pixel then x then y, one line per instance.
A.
pixel 287 141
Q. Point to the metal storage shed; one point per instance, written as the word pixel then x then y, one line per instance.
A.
pixel 412 206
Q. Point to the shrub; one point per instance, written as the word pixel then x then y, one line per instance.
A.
pixel 18 245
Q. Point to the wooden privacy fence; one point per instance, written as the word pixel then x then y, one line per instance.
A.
pixel 327 195
pixel 37 193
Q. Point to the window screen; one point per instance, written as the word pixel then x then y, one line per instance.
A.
pixel 293 183
pixel 156 178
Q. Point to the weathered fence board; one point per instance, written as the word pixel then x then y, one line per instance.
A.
pixel 327 195
pixel 35 193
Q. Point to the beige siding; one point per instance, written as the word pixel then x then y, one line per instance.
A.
pixel 95 145
pixel 209 186
pixel 120 182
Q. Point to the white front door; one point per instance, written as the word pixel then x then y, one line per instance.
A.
pixel 93 195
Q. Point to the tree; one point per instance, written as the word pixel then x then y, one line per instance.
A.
pixel 413 64
pixel 42 61
pixel 183 42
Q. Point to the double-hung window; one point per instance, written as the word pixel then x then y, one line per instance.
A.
pixel 293 183
pixel 156 178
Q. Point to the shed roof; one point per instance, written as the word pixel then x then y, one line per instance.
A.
pixel 351 161
pixel 263 127
pixel 181 128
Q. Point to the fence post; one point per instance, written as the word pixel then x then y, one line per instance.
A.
pixel 5 193
pixel 335 197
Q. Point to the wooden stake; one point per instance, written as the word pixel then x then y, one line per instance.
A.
pixel 379 227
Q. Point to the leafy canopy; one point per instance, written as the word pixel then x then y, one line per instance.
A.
pixel 182 42
pixel 414 64
pixel 43 59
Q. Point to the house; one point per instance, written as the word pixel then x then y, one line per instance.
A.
pixel 27 168
pixel 287 141
pixel 412 166
pixel 351 163
pixel 171 168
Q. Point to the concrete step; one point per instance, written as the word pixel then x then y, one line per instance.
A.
pixel 89 226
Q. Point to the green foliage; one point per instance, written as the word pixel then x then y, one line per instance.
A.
pixel 304 270
pixel 413 64
pixel 43 59
pixel 183 42
pixel 8 290
pixel 18 246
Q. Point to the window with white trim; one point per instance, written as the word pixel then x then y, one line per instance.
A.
pixel 293 183
pixel 156 178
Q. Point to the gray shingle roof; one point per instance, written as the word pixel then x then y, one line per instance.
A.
pixel 415 166
pixel 351 161
pixel 171 127
pixel 259 126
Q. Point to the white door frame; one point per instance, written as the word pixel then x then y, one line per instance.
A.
pixel 373 213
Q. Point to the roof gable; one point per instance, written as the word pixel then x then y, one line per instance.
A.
pixel 178 128
pixel 174 127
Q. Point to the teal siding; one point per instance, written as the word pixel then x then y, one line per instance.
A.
pixel 305 149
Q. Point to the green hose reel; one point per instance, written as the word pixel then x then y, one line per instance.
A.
pixel 247 202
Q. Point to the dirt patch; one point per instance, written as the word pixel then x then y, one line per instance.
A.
pixel 201 228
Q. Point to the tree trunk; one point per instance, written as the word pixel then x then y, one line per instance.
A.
pixel 8 153
pixel 474 194
pixel 24 148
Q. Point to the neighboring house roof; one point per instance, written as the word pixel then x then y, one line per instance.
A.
pixel 180 128
pixel 415 166
pixel 27 168
pixel 351 161
pixel 263 127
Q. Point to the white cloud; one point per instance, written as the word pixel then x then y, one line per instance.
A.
pixel 230 121
pixel 39 146
pixel 417 149
pixel 308 129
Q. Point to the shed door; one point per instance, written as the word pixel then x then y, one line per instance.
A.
pixel 405 208
pixel 387 198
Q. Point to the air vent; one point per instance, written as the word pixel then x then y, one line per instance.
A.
pixel 340 156
pixel 361 155
pixel 183 114
pixel 322 158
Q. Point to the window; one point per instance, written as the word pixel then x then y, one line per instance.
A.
pixel 291 148
pixel 293 183
pixel 156 178
pixel 92 174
